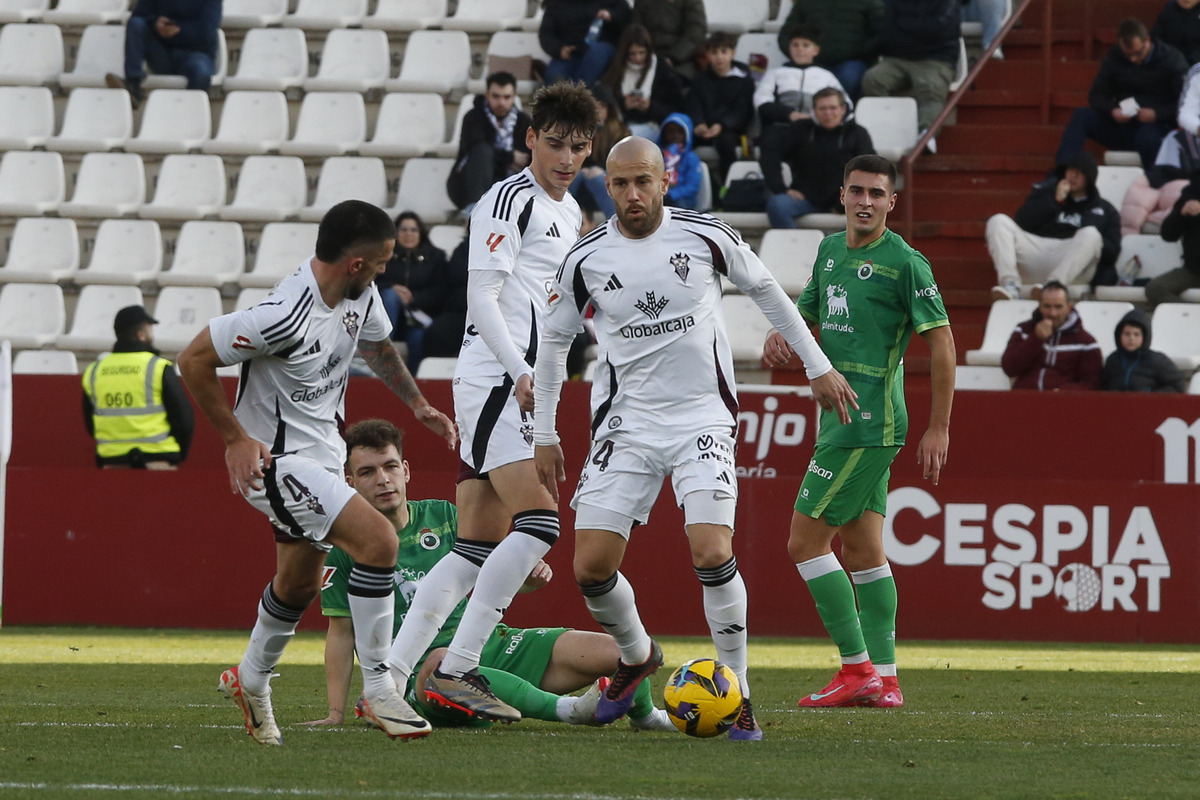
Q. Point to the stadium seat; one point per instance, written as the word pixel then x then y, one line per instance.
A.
pixel 206 254
pixel 32 314
pixel 107 185
pixel 449 148
pixel 188 187
pixel 446 237
pixel 436 367
pixel 486 16
pixel 352 61
pixel 1100 318
pixel 248 298
pixel 272 59
pixel 101 50
pixel 127 252
pixel 1193 386
pixel 1113 182
pixel 892 123
pixel 507 44
pixel 1003 317
pixel 1122 158
pixel 763 44
pixel 987 379
pixel 269 188
pixel 252 13
pixel 45 362
pixel 736 17
pixel 775 24
pixel 423 189
pixel 749 219
pixel 26 117
pixel 42 250
pixel 1176 331
pixel 326 14
pixel 789 255
pixel 347 178
pixel 30 54
pixel 408 124
pixel 406 15
pixel 961 66
pixel 31 183
pixel 329 124
pixel 533 23
pixel 92 325
pixel 95 119
pixel 173 121
pixel 975 29
pixel 160 81
pixel 282 248
pixel 182 312
pixel 77 13
pixel 22 10
pixel 704 197
pixel 252 123
pixel 747 329
pixel 434 61
pixel 1146 255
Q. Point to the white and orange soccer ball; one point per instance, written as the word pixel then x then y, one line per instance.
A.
pixel 703 698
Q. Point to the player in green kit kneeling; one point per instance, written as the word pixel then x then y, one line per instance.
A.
pixel 531 669
pixel 869 293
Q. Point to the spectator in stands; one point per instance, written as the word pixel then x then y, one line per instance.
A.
pixel 1133 366
pixel 172 37
pixel 681 163
pixel 1181 225
pixel 919 49
pixel 849 33
pixel 134 404
pixel 581 36
pixel 1065 232
pixel 677 28
pixel 647 89
pixel 444 336
pixel 991 15
pixel 1051 351
pixel 1132 102
pixel 1178 25
pixel 588 187
pixel 785 94
pixel 492 143
pixel 1152 194
pixel 817 150
pixel 413 286
pixel 721 102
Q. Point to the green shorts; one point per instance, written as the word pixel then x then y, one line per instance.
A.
pixel 842 483
pixel 524 652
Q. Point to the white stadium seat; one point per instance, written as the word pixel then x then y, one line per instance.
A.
pixel 985 379
pixel 101 50
pixel 486 16
pixel 272 59
pixel 252 13
pixel 446 237
pixel 507 44
pixel 45 362
pixel 326 14
pixel 92 325
pixel 1193 386
pixel 207 253
pixel 32 314
pixel 1176 331
pixel 1100 318
pixel 892 123
pixel 31 183
pixel 1149 256
pixel 449 148
pixel 437 367
pixel 248 298
pixel 95 119
pixel 282 248
pixel 423 189
pixel 127 252
pixel 434 61
pixel 30 55
pixel 749 219
pixel 22 10
pixel 775 24
pixel 269 188
pixel 329 124
pixel 107 185
pixel 736 17
pixel 71 13
pixel 173 121
pixel 789 255
pixel 747 328
pixel 26 117
pixel 182 311
pixel 347 178
pixel 1003 317
pixel 408 124
pixel 42 250
pixel 352 61
pixel 189 187
pixel 1113 182
pixel 762 44
pixel 406 15
pixel 252 123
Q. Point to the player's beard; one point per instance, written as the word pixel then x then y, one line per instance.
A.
pixel 647 222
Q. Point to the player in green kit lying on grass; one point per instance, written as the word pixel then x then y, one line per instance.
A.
pixel 532 669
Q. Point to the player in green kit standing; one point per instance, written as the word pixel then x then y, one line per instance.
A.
pixel 869 293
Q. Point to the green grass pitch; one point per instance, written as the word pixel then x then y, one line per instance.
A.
pixel 110 713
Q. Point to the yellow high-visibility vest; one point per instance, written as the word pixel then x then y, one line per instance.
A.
pixel 126 394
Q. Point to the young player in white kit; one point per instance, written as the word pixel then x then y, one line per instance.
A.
pixel 285 452
pixel 520 230
pixel 663 403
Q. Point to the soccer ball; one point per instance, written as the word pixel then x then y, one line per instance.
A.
pixel 703 698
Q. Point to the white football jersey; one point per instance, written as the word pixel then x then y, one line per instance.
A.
pixel 517 228
pixel 295 353
pixel 665 364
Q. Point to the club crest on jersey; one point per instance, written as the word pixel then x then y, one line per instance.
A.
pixel 428 539
pixel 314 505
pixel 679 262
pixel 527 433
pixel 836 302
pixel 866 271
pixel 653 306
pixel 350 320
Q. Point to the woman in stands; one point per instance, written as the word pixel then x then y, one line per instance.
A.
pixel 647 89
pixel 414 286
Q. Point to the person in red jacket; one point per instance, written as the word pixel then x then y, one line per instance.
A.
pixel 1051 350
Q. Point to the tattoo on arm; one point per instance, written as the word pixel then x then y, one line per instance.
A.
pixel 385 362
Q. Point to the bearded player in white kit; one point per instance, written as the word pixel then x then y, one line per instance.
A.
pixel 519 233
pixel 663 403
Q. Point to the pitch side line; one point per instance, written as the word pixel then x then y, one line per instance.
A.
pixel 340 792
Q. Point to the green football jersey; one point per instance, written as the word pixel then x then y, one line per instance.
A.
pixel 430 534
pixel 869 301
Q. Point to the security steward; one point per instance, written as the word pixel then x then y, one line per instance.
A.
pixel 134 404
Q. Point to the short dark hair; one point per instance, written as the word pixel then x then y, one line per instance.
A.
pixel 1056 284
pixel 720 39
pixel 566 107
pixel 349 225
pixel 872 165
pixel 373 434
pixel 502 78
pixel 1131 28
pixel 829 91
pixel 806 31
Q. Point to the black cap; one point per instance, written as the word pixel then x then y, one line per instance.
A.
pixel 131 317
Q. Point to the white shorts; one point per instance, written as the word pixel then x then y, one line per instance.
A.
pixel 625 475
pixel 492 429
pixel 301 498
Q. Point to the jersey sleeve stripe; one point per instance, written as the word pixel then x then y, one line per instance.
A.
pixel 273 334
pixel 707 219
pixel 579 287
pixel 586 240
pixel 506 193
pixel 718 258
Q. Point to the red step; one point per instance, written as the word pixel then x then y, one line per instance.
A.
pixel 1009 139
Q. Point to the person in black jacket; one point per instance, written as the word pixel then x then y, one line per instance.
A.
pixel 817 150
pixel 1063 232
pixel 444 336
pixel 1178 25
pixel 577 53
pixel 172 37
pixel 1132 102
pixel 721 102
pixel 1133 366
pixel 413 286
pixel 1183 223
pixel 492 143
pixel 646 87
